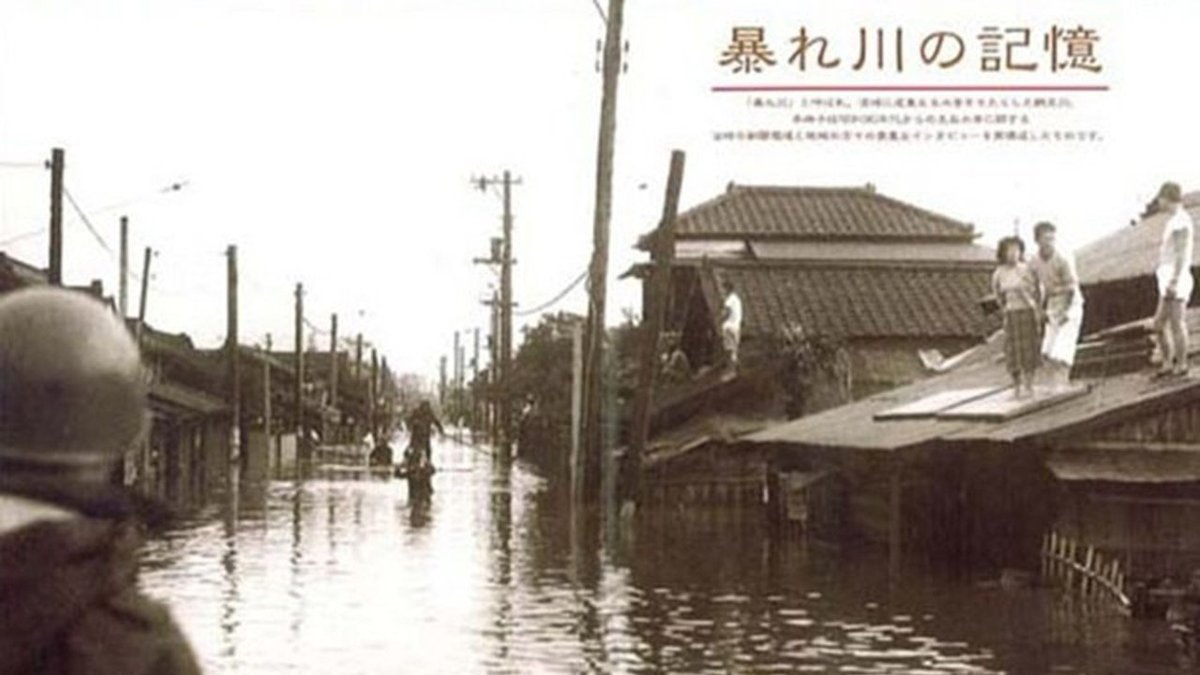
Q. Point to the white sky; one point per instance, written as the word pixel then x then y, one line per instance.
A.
pixel 333 141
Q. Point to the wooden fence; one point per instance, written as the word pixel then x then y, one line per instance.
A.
pixel 1083 569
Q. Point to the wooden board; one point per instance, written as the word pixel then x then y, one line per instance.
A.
pixel 932 405
pixel 1002 405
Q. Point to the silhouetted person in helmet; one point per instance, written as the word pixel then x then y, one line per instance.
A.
pixel 71 403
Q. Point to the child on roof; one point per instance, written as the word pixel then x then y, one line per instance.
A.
pixel 1016 288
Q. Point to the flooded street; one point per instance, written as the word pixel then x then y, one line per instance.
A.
pixel 493 575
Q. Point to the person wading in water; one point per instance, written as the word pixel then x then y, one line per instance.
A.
pixel 420 430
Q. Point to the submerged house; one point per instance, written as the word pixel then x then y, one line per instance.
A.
pixel 953 470
pixel 885 283
pixel 886 278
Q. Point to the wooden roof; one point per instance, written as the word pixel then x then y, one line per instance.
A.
pixel 854 426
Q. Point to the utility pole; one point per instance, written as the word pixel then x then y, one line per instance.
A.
pixel 123 282
pixel 358 357
pixel 655 312
pixel 333 361
pixel 235 375
pixel 455 390
pixel 475 387
pixel 358 351
pixel 576 466
pixel 442 383
pixel 267 422
pixel 594 345
pixel 57 164
pixel 493 401
pixel 506 306
pixel 374 391
pixel 298 390
pixel 141 322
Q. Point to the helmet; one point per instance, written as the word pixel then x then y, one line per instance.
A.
pixel 71 386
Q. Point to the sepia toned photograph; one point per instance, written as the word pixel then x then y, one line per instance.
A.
pixel 595 336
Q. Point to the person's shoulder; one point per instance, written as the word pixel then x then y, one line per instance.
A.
pixel 131 633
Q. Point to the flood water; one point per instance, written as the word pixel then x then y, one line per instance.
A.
pixel 495 575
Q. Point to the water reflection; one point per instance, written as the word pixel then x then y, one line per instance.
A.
pixel 495 573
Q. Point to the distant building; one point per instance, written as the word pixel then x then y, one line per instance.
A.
pixel 1117 271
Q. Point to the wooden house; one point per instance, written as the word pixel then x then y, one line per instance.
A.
pixel 886 278
pixel 949 471
pixel 885 282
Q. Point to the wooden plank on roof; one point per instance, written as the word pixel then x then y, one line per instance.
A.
pixel 1003 405
pixel 932 405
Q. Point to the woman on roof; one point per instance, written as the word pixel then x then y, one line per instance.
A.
pixel 1016 288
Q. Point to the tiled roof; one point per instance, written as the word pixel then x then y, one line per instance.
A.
pixel 815 213
pixel 1132 251
pixel 855 302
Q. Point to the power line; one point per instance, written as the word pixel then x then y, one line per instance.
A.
pixel 561 294
pixel 600 10
pixel 22 165
pixel 173 187
pixel 23 236
pixel 87 221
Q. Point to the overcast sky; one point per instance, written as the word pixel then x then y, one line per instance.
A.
pixel 333 142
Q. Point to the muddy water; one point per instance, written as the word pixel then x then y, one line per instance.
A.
pixel 493 574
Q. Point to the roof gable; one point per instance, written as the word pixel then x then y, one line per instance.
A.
pixel 819 213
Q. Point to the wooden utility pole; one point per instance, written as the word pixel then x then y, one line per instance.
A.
pixel 442 382
pixel 475 387
pixel 141 322
pixel 57 164
pixel 123 282
pixel 455 387
pixel 235 374
pixel 333 361
pixel 298 389
pixel 503 363
pixel 655 313
pixel 373 388
pixel 494 372
pixel 268 424
pixel 575 464
pixel 506 308
pixel 358 351
pixel 594 341
pixel 358 357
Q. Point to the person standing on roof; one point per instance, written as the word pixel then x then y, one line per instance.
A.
pixel 72 402
pixel 731 321
pixel 1174 276
pixel 1062 303
pixel 1016 288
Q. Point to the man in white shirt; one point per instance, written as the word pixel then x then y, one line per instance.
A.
pixel 1063 303
pixel 1174 276
pixel 731 321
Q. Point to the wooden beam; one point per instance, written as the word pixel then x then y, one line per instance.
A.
pixel 654 319
pixel 1132 446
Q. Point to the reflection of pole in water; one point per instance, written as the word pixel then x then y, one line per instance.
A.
pixel 230 596
pixel 295 589
pixel 501 550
